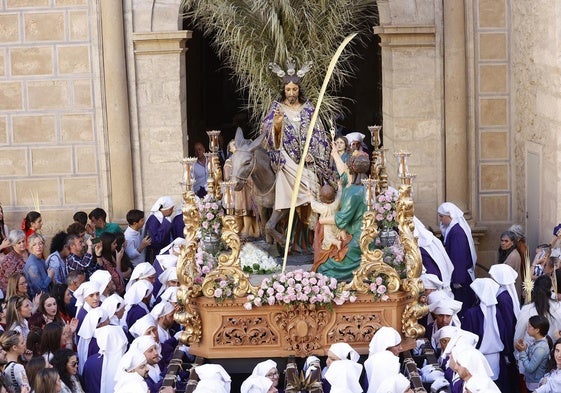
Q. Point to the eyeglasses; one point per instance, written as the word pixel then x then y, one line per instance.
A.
pixel 73 364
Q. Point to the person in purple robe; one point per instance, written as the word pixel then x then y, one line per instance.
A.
pixel 99 370
pixel 459 245
pixel 177 226
pixel 508 305
pixel 485 321
pixel 434 256
pixel 158 226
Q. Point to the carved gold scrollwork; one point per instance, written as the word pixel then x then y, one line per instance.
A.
pixel 229 267
pixel 413 262
pixel 245 331
pixel 371 263
pixel 186 273
pixel 355 328
pixel 302 325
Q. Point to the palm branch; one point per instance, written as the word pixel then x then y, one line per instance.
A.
pixel 249 34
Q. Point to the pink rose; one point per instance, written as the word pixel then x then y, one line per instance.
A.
pixel 379 280
pixel 218 292
pixel 247 306
pixel 381 289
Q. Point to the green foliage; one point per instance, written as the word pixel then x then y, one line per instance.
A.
pixel 249 34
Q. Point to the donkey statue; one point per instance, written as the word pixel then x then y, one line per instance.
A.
pixel 251 160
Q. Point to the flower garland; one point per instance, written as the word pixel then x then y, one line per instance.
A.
pixel 296 287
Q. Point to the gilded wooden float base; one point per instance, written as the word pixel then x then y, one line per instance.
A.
pixel 231 331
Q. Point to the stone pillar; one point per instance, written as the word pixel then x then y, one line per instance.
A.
pixel 412 105
pixel 161 110
pixel 455 114
pixel 120 191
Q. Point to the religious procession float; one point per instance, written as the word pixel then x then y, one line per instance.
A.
pixel 297 313
pixel 294 312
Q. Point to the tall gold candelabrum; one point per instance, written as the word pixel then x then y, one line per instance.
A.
pixel 186 268
pixel 378 166
pixel 213 162
pixel 413 261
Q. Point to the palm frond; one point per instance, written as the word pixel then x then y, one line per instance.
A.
pixel 249 34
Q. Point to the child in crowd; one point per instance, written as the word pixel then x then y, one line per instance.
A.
pixel 533 358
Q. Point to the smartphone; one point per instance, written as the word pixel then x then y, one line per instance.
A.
pixel 96 240
pixel 147 234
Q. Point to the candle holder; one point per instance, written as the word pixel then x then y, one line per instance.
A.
pixel 369 192
pixel 375 136
pixel 228 201
pixel 188 173
pixel 213 140
pixel 402 165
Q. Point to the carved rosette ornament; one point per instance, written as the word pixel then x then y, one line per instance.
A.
pixel 186 273
pixel 371 263
pixel 229 267
pixel 302 325
pixel 414 265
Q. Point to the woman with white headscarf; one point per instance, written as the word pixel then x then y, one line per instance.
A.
pixel 469 363
pixel 99 371
pixel 158 226
pixel 397 383
pixel 460 247
pixel 344 376
pixel 383 360
pixel 267 368
pixel 484 321
pixel 137 299
pixel 508 305
pixel 257 384
pixel 212 379
pixel 87 345
pixel 435 259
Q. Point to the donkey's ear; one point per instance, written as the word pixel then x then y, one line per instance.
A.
pixel 257 141
pixel 239 139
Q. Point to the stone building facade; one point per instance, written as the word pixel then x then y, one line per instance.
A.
pixel 93 107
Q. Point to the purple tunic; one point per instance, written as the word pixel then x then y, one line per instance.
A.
pixel 505 314
pixel 160 232
pixel 429 264
pixel 134 314
pixel 457 247
pixel 474 321
pixel 177 226
pixel 92 373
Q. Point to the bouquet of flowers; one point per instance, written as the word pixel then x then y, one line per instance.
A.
pixel 379 288
pixel 205 262
pixel 224 289
pixel 255 260
pixel 386 208
pixel 395 257
pixel 296 287
pixel 211 212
